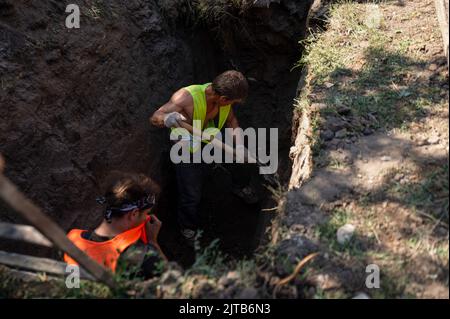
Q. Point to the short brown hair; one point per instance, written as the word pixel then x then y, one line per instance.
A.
pixel 231 84
pixel 121 188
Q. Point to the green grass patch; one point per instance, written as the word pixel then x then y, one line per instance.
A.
pixel 430 195
pixel 356 247
pixel 369 70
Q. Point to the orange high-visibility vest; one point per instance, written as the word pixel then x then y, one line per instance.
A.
pixel 106 253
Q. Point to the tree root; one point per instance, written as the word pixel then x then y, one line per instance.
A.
pixel 294 274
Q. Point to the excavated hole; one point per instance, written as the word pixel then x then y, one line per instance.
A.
pixel 92 118
pixel 240 227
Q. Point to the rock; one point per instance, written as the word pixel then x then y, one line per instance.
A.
pixel 433 140
pixel 325 282
pixel 386 158
pixel 398 176
pixel 344 110
pixel 248 293
pixel 335 124
pixel 171 277
pixel 341 133
pixel 367 131
pixel 203 289
pixel 345 233
pixel 327 135
pixel 433 67
pixel 422 141
pixel 225 282
pixel 333 143
pixel 289 251
pixel 404 181
pixel 361 295
pixel 373 18
pixel 233 275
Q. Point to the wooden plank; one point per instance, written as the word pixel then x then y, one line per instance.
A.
pixel 442 15
pixel 38 264
pixel 25 275
pixel 24 233
pixel 33 214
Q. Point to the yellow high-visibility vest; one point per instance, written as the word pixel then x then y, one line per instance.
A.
pixel 197 92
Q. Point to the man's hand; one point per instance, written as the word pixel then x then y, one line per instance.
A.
pixel 172 119
pixel 152 228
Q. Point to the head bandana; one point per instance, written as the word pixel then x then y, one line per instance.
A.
pixel 145 202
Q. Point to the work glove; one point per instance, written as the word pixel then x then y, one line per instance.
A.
pixel 171 119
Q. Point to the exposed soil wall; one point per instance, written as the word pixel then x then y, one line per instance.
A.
pixel 75 102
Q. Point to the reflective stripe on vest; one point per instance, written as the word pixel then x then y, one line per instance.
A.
pixel 106 253
pixel 199 97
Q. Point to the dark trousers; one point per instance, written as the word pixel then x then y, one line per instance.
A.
pixel 190 179
pixel 190 185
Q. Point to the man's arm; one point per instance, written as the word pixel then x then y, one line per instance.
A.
pixel 152 228
pixel 177 103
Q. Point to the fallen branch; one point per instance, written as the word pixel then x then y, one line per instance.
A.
pixel 38 264
pixel 24 233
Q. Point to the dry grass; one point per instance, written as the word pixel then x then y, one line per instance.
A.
pixel 371 58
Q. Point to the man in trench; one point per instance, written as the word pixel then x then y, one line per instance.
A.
pixel 211 104
pixel 126 239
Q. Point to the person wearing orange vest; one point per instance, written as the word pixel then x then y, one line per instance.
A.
pixel 128 234
pixel 203 104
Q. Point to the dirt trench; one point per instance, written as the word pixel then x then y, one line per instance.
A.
pixel 75 102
